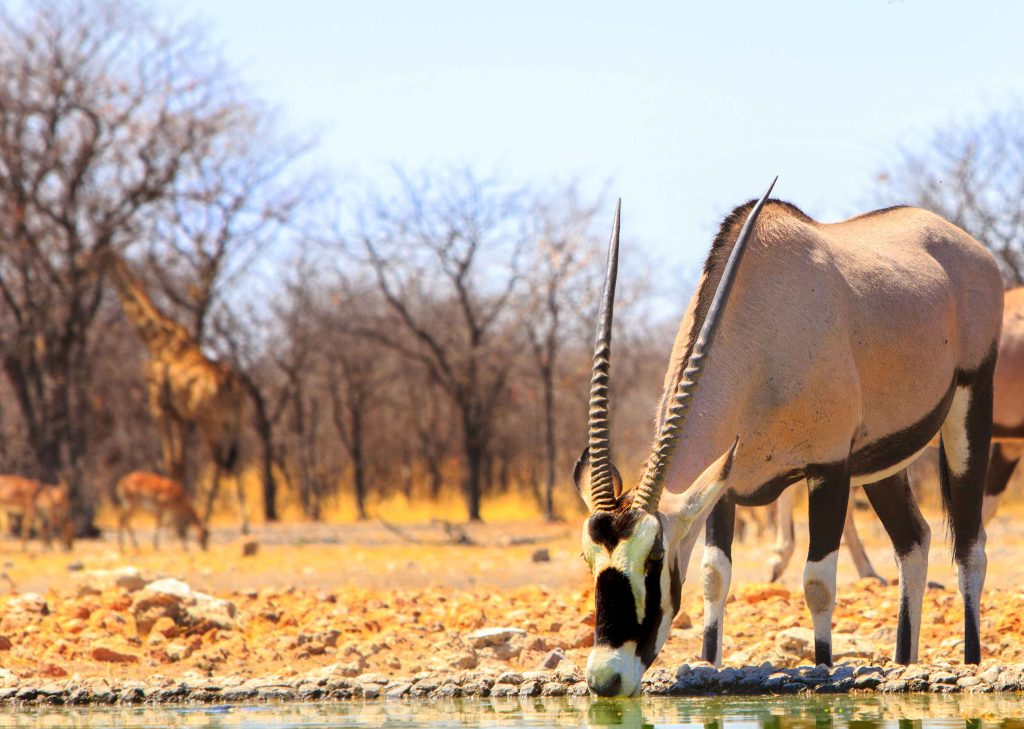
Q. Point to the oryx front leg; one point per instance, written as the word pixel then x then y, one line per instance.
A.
pixel 716 574
pixel 893 501
pixel 828 496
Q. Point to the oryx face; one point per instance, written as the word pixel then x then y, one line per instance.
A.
pixel 626 553
pixel 626 538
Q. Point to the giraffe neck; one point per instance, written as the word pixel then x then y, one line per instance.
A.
pixel 162 335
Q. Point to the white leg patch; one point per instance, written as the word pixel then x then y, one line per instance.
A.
pixel 971 574
pixel 954 432
pixel 913 567
pixel 715 577
pixel 820 594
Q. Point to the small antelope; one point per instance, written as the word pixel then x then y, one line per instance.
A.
pixel 40 505
pixel 53 512
pixel 18 497
pixel 831 353
pixel 160 496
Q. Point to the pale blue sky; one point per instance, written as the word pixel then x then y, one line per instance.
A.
pixel 684 109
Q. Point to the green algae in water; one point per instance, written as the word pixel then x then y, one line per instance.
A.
pixel 868 711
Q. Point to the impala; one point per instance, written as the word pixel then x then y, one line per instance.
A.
pixel 162 497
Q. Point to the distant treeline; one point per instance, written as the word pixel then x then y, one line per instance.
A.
pixel 431 336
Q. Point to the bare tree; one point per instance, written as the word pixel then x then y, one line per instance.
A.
pixel 445 255
pixel 243 340
pixel 564 252
pixel 98 105
pixel 972 174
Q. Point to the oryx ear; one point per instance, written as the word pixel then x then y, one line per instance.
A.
pixel 690 508
pixel 581 477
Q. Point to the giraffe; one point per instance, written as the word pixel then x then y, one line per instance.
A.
pixel 186 388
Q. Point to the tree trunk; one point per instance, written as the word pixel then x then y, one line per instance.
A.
pixel 358 465
pixel 550 454
pixel 435 478
pixel 475 454
pixel 265 431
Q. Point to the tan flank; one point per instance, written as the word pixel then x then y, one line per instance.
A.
pixel 162 497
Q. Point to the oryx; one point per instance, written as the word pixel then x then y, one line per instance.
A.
pixel 831 353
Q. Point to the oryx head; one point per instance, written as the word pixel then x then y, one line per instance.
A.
pixel 636 552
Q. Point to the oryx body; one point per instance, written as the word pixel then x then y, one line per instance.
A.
pixel 1007 442
pixel 835 353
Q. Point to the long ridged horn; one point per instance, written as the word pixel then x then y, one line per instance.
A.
pixel 648 493
pixel 602 490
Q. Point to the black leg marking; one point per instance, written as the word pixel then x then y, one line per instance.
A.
pixel 827 501
pixel 893 501
pixel 904 633
pixel 710 648
pixel 972 639
pixel 719 528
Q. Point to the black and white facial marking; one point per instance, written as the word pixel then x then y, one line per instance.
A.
pixel 636 594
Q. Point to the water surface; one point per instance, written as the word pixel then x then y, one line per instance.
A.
pixel 914 711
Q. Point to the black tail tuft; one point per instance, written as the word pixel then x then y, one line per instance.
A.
pixel 945 488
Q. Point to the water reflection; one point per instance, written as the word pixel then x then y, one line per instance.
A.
pixel 913 711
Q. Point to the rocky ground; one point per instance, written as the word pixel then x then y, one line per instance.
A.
pixel 367 611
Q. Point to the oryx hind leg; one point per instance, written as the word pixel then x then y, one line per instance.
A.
pixel 828 497
pixel 1002 463
pixel 893 501
pixel 785 539
pixel 856 547
pixel 716 574
pixel 963 465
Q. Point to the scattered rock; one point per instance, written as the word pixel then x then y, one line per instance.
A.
pixel 552 659
pixel 250 547
pixel 193 611
pixel 30 602
pixel 464 660
pixel 540 555
pixel 798 641
pixel 109 652
pixel 499 643
pixel 127 578
pixel 682 620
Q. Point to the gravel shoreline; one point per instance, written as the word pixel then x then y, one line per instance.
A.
pixel 688 680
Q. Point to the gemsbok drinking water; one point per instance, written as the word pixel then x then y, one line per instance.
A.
pixel 831 353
